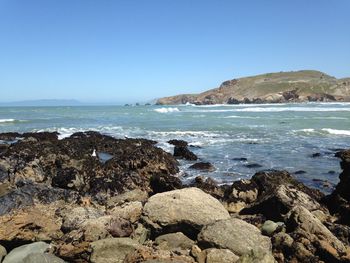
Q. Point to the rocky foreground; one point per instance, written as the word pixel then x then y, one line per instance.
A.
pixel 281 87
pixel 93 198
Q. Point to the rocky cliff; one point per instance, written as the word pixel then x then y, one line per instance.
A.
pixel 294 86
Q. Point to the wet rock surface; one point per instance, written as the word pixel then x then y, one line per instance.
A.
pixel 131 208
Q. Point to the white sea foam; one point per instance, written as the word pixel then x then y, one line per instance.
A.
pixel 307 130
pixel 298 109
pixel 240 117
pixel 7 120
pixel 337 132
pixel 186 133
pixel 167 110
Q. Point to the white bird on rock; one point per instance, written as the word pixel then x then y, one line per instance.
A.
pixel 94 153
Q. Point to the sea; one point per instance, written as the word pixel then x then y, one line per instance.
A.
pixel 239 140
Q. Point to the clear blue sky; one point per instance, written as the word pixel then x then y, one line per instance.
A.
pixel 136 50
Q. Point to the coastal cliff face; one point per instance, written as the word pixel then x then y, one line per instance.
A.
pixel 295 86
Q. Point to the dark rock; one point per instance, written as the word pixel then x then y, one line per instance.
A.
pixel 209 186
pixel 268 180
pixel 331 172
pixel 240 159
pixel 233 101
pixel 28 192
pixel 184 153
pixel 339 201
pixel 300 172
pixel 253 165
pixel 120 227
pixel 203 166
pixel 314 155
pixel 279 190
pixel 290 95
pixel 162 183
pixel 179 143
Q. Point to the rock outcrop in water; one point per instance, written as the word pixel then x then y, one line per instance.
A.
pixel 295 86
pixel 59 202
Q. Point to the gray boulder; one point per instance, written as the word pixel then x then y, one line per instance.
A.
pixel 257 256
pixel 174 241
pixel 234 234
pixel 182 210
pixel 215 255
pixel 3 252
pixel 18 254
pixel 112 250
pixel 42 258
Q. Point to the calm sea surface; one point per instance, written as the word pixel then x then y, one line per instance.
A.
pixel 275 136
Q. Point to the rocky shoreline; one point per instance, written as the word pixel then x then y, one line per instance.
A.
pixel 94 198
pixel 281 87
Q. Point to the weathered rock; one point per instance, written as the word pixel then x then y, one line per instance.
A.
pixel 112 250
pixel 282 242
pixel 161 183
pixel 209 186
pixel 304 224
pixel 178 143
pixel 269 227
pixel 239 195
pixel 141 234
pixel 38 223
pixel 42 258
pixel 184 153
pixel 74 252
pixel 119 227
pixel 18 254
pixel 215 255
pixel 234 234
pixel 339 201
pixel 151 255
pixel 130 211
pixel 208 167
pixel 74 218
pixel 253 165
pixel 185 210
pixel 257 256
pixel 41 165
pixel 27 192
pixel 135 195
pixel 267 181
pixel 3 252
pixel 174 241
pixel 282 199
pixel 198 254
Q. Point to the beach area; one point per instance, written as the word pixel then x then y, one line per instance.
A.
pixel 218 183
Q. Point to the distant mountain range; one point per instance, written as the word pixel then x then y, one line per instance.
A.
pixel 42 103
pixel 294 86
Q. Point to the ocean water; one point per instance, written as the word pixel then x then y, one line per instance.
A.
pixel 275 136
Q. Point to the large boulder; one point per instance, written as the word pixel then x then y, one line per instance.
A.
pixel 182 152
pixel 339 201
pixel 18 254
pixel 234 234
pixel 174 241
pixel 112 250
pixel 215 255
pixel 306 226
pixel 186 210
pixel 42 258
pixel 282 199
pixel 3 252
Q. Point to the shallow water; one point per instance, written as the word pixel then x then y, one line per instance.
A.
pixel 276 136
